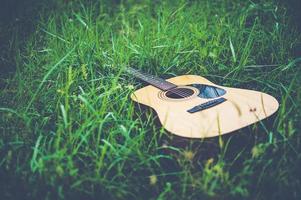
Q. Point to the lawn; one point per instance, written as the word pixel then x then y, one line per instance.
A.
pixel 69 129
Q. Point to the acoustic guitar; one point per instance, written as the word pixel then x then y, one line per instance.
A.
pixel 191 106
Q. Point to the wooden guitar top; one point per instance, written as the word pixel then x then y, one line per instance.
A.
pixel 241 108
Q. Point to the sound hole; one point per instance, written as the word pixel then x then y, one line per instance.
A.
pixel 179 93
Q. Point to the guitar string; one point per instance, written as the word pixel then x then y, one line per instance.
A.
pixel 179 92
pixel 147 77
pixel 152 78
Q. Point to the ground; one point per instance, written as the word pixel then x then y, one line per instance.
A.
pixel 69 129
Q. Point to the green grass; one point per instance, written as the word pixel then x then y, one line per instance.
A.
pixel 70 130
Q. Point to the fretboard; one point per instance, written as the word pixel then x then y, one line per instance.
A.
pixel 154 81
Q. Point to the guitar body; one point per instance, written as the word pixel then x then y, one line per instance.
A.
pixel 239 109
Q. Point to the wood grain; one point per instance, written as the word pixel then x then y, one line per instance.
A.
pixel 242 108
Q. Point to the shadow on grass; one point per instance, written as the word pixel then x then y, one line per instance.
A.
pixel 234 143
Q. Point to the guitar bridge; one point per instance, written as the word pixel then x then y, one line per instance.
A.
pixel 207 105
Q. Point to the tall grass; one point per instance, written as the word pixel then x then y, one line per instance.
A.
pixel 70 130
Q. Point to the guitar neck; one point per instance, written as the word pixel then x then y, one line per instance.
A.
pixel 154 81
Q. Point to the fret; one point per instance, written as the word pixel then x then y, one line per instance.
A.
pixel 155 81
